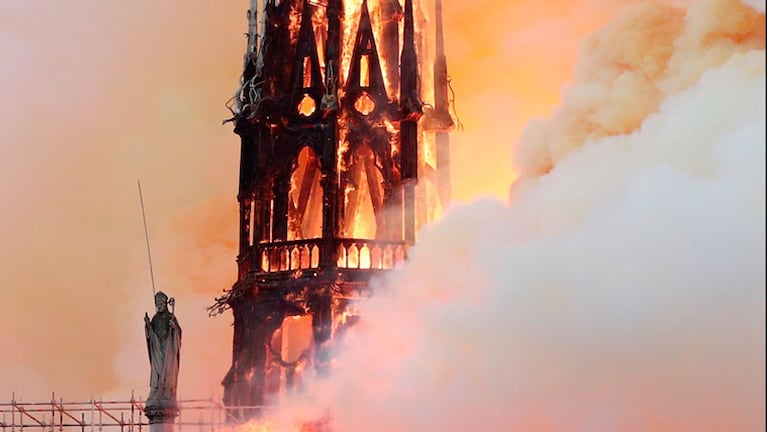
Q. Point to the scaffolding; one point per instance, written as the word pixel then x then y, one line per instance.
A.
pixel 195 415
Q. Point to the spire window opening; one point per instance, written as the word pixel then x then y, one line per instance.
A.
pixel 305 198
pixel 252 224
pixel 363 196
pixel 306 106
pixel 271 219
pixel 321 52
pixel 307 72
pixel 364 104
pixel 365 71
pixel 319 24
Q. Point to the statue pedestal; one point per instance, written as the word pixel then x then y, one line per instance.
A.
pixel 162 415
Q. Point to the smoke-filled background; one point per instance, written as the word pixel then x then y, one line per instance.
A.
pixel 622 289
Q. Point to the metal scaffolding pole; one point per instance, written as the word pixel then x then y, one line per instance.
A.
pixel 199 415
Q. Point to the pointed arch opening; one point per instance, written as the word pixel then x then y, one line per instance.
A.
pixel 364 195
pixel 290 350
pixel 365 71
pixel 305 197
pixel 307 78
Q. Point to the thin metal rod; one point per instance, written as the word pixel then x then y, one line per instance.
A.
pixel 146 235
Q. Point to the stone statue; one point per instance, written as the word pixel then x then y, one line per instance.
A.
pixel 163 338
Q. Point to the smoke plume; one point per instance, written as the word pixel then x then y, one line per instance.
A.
pixel 623 287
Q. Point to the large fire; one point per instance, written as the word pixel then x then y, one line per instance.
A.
pixel 366 190
pixel 270 426
pixel 364 193
pixel 259 426
pixel 343 160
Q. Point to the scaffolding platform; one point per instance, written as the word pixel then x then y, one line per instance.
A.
pixel 96 415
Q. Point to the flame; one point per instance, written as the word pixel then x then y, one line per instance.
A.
pixel 394 136
pixel 321 425
pixel 257 426
pixel 355 257
pixel 349 24
pixel 364 104
pixel 347 315
pixel 428 149
pixel 320 33
pixel 295 24
pixel 424 46
pixel 362 224
pixel 343 147
pixel 377 20
pixel 363 228
pixel 268 426
pixel 306 106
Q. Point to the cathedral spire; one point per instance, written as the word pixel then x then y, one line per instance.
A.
pixel 409 100
pixel 252 29
pixel 410 105
pixel 390 15
pixel 411 111
pixel 365 88
pixel 329 166
pixel 440 64
pixel 307 85
pixel 442 121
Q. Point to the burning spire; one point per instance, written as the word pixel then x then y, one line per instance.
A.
pixel 307 78
pixel 365 88
pixel 328 174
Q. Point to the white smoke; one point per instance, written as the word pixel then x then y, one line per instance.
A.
pixel 623 288
pixel 759 5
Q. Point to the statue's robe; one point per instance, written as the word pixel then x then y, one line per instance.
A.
pixel 164 345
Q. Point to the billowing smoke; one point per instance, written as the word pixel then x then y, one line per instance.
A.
pixel 632 66
pixel 623 288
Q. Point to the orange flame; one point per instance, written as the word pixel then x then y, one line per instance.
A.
pixel 267 426
pixel 256 426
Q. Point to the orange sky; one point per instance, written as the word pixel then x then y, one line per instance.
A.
pixel 98 94
pixel 508 62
